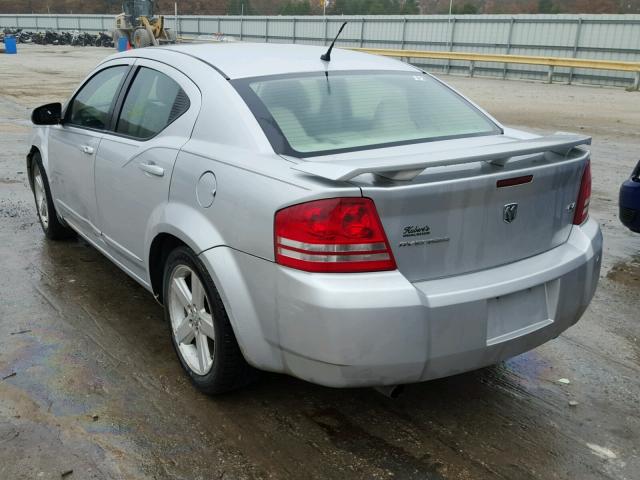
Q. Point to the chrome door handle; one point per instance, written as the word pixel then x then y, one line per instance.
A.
pixel 87 149
pixel 152 168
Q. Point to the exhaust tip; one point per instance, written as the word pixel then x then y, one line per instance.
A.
pixel 390 391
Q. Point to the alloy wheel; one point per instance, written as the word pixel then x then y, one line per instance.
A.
pixel 191 319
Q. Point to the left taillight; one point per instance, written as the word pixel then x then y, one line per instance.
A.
pixel 584 197
pixel 332 235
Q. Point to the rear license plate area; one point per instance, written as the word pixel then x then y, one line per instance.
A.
pixel 517 314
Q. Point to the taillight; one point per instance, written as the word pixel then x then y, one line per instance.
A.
pixel 332 235
pixel 584 197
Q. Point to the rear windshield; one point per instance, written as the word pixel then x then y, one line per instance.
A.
pixel 317 114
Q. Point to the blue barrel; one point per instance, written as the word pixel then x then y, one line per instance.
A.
pixel 10 44
pixel 123 43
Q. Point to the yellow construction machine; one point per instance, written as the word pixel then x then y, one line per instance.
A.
pixel 139 25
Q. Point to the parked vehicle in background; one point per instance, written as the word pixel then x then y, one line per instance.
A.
pixel 630 201
pixel 347 219
pixel 140 26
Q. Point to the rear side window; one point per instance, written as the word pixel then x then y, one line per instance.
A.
pixel 91 106
pixel 153 102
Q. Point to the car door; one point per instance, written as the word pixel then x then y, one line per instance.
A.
pixel 73 144
pixel 135 159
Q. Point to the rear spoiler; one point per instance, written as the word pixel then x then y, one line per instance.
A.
pixel 409 166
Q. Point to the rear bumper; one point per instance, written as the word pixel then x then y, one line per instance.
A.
pixel 380 329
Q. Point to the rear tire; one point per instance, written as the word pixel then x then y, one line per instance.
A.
pixel 142 38
pixel 201 333
pixel 51 225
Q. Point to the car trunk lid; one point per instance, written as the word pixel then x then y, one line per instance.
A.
pixel 504 200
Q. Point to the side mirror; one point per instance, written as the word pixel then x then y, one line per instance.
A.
pixel 50 114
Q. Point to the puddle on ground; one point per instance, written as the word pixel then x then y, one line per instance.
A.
pixel 626 272
pixel 347 436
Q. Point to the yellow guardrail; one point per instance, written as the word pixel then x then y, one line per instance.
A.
pixel 550 62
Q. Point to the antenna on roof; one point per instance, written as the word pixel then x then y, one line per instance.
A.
pixel 327 56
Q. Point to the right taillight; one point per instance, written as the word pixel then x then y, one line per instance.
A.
pixel 584 197
pixel 332 235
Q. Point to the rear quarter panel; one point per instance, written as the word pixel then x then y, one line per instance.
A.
pixel 250 188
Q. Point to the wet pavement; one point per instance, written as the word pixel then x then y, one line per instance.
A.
pixel 90 387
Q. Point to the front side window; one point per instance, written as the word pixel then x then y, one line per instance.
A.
pixel 92 105
pixel 319 114
pixel 153 102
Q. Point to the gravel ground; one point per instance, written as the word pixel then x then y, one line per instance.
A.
pixel 89 382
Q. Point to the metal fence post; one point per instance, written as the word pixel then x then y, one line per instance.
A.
pixel 198 25
pixel 362 32
pixel 510 36
pixel 636 82
pixel 550 74
pixel 404 32
pixel 219 27
pixel 294 29
pixel 78 23
pixel 453 28
pixel 57 23
pixel 472 66
pixel 325 30
pixel 575 47
pixel 36 19
pixel 241 17
pixel 266 30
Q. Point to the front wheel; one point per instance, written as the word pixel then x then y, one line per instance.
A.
pixel 200 330
pixel 171 35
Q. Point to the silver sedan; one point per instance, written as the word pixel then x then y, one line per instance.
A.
pixel 349 220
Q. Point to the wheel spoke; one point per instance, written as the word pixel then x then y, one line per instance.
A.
pixel 39 182
pixel 197 292
pixel 42 207
pixel 192 324
pixel 181 291
pixel 202 347
pixel 185 332
pixel 206 325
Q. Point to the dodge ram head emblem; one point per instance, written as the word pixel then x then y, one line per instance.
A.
pixel 509 212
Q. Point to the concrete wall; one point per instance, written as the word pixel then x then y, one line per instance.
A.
pixel 605 37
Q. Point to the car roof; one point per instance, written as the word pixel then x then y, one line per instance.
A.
pixel 241 60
